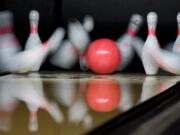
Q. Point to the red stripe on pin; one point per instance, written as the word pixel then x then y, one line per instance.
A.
pixel 131 32
pixel 6 30
pixel 178 31
pixel 34 29
pixel 152 31
pixel 33 114
pixel 178 45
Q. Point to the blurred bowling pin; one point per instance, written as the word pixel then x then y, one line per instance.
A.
pixel 33 39
pixel 150 66
pixel 9 44
pixel 137 45
pixel 55 40
pixel 125 41
pixel 176 46
pixel 168 61
pixel 88 23
pixel 79 36
pixel 66 56
pixel 28 60
pixel 32 59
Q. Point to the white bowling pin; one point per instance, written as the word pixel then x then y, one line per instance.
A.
pixel 151 43
pixel 33 39
pixel 88 23
pixel 55 40
pixel 9 44
pixel 79 36
pixel 66 56
pixel 176 46
pixel 28 60
pixel 168 61
pixel 125 41
pixel 137 45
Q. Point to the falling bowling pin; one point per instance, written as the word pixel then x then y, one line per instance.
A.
pixel 55 40
pixel 79 36
pixel 169 61
pixel 125 41
pixel 151 43
pixel 176 46
pixel 88 23
pixel 66 56
pixel 137 45
pixel 9 44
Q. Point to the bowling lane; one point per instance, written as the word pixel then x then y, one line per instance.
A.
pixel 71 103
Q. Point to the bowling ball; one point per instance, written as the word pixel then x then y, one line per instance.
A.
pixel 103 56
pixel 103 95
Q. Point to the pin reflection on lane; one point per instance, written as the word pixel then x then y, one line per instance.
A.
pixel 152 86
pixel 8 103
pixel 30 91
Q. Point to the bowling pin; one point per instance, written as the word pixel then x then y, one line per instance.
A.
pixel 9 45
pixel 55 40
pixel 79 36
pixel 125 41
pixel 137 45
pixel 176 46
pixel 88 23
pixel 33 39
pixel 151 43
pixel 28 60
pixel 66 56
pixel 169 61
pixel 32 59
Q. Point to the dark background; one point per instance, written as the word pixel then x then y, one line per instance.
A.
pixel 111 19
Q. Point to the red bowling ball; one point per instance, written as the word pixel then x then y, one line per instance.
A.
pixel 103 56
pixel 103 95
